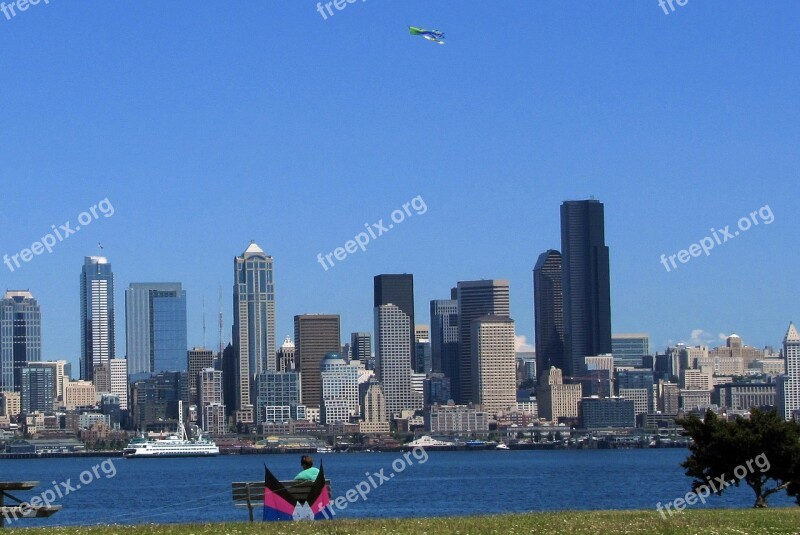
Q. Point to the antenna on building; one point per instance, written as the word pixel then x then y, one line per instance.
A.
pixel 204 321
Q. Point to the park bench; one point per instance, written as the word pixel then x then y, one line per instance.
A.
pixel 20 511
pixel 250 494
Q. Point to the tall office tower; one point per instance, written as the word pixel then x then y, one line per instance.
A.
pixel 229 365
pixel 278 398
pixel 393 358
pixel 97 314
pixel 61 373
pixel 254 324
pixel 788 387
pixel 155 321
pixel 376 416
pixel 339 390
pixel 198 359
pixel 37 387
pixel 20 336
pixel 361 344
pixel 119 381
pixel 475 299
pixel 424 356
pixel 286 354
pixel 315 335
pixel 548 311
pixel 493 363
pixel 630 349
pixel 586 283
pixel 444 339
pixel 397 290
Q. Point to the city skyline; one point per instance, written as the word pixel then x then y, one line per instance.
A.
pixel 669 162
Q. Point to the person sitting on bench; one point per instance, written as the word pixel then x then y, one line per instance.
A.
pixel 309 473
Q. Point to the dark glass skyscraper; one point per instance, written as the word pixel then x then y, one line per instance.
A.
pixel 444 339
pixel 155 335
pixel 397 290
pixel 475 299
pixel 97 314
pixel 20 336
pixel 548 303
pixel 586 283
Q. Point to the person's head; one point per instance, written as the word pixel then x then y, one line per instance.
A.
pixel 306 462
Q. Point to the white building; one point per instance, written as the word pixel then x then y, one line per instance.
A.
pixel 494 364
pixel 119 381
pixel 393 358
pixel 339 390
pixel 640 397
pixel 789 384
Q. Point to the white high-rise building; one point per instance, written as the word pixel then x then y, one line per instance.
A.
pixel 119 381
pixel 789 385
pixel 393 358
pixel 494 364
pixel 339 389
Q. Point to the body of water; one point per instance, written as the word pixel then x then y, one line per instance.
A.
pixel 133 491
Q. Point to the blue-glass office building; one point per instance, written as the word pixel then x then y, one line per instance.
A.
pixel 155 317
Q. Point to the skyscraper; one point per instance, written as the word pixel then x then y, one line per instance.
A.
pixel 254 324
pixel 475 299
pixel 199 359
pixel 444 339
pixel 286 356
pixel 493 363
pixel 788 388
pixel 339 390
pixel 97 314
pixel 586 283
pixel 315 335
pixel 376 417
pixel 393 358
pixel 37 387
pixel 20 336
pixel 155 321
pixel 397 290
pixel 548 311
pixel 361 345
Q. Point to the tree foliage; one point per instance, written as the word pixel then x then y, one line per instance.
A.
pixel 760 451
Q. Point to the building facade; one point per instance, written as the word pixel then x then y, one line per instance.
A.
pixel 548 311
pixel 97 314
pixel 494 363
pixel 254 325
pixel 20 336
pixel 586 283
pixel 155 334
pixel 315 336
pixel 393 358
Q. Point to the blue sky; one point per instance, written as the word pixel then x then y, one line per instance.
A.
pixel 207 125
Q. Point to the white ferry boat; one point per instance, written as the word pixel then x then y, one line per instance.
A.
pixel 427 442
pixel 177 445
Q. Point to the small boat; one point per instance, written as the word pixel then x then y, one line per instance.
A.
pixel 502 446
pixel 325 449
pixel 426 441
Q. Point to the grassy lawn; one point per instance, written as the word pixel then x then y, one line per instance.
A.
pixel 740 521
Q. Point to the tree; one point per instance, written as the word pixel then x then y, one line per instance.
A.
pixel 753 450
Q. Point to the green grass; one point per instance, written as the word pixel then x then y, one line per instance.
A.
pixel 739 521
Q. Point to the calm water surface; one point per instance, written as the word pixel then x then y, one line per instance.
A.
pixel 448 483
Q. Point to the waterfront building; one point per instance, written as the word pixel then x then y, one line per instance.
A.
pixel 641 398
pixel 79 394
pixel 456 419
pixel 601 413
pixel 555 399
pixel 279 396
pixel 744 396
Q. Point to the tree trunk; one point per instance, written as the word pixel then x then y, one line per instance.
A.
pixel 761 502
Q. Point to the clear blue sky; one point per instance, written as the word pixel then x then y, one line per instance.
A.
pixel 208 124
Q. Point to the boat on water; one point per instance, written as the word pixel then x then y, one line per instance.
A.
pixel 175 445
pixel 426 441
pixel 324 449
pixel 502 446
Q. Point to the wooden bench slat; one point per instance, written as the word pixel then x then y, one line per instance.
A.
pixel 31 512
